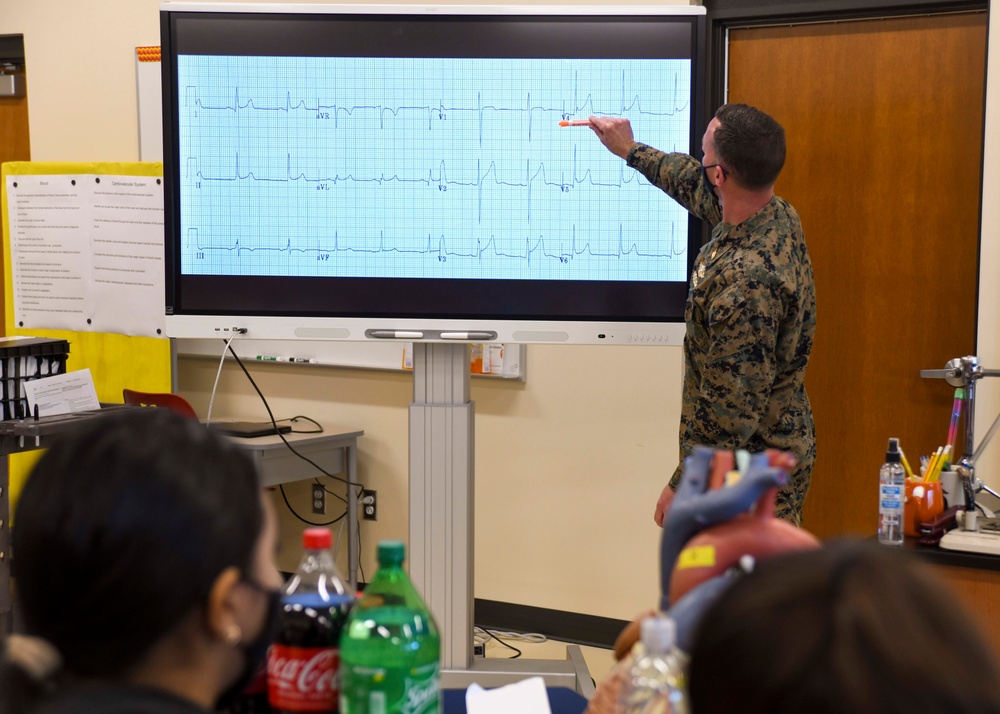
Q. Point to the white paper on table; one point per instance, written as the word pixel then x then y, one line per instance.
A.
pixel 525 697
pixel 87 252
pixel 62 393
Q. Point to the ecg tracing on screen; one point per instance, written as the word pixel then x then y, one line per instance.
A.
pixel 426 168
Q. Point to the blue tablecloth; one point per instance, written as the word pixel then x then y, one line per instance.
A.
pixel 562 700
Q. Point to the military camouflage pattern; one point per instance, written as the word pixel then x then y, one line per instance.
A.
pixel 750 315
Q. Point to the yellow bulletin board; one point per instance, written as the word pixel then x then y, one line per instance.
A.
pixel 115 361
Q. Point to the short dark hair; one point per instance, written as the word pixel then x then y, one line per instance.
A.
pixel 852 627
pixel 122 528
pixel 751 144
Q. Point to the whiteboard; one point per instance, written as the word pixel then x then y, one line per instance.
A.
pixel 361 355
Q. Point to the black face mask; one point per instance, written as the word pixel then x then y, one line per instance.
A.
pixel 256 652
pixel 709 186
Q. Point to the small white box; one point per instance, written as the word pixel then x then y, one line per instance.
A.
pixel 11 85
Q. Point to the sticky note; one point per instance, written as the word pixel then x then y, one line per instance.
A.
pixel 702 556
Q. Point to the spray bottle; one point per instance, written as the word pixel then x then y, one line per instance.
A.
pixel 891 496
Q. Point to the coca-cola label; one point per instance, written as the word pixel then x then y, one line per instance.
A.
pixel 303 679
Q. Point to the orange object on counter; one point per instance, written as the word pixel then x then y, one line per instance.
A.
pixel 924 501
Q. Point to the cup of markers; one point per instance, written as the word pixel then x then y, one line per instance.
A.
pixel 923 502
pixel 924 491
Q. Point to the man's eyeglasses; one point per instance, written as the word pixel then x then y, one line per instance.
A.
pixel 712 166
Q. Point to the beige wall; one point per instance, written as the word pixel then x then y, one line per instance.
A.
pixel 568 464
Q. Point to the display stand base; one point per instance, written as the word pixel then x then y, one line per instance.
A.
pixel 489 672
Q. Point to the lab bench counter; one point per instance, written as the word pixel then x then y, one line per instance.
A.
pixel 954 558
pixel 975 577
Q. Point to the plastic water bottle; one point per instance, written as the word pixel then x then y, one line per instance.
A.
pixel 891 497
pixel 390 648
pixel 303 663
pixel 656 680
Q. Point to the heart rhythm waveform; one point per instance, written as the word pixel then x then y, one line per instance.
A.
pixel 482 179
pixel 675 105
pixel 409 174
pixel 437 249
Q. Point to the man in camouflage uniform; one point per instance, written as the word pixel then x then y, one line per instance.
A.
pixel 751 308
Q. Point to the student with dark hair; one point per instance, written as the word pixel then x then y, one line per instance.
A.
pixel 852 628
pixel 751 309
pixel 143 565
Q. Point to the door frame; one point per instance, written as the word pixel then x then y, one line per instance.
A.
pixel 724 15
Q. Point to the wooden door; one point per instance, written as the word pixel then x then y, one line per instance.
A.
pixel 884 122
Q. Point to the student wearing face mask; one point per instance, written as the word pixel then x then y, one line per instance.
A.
pixel 751 308
pixel 144 571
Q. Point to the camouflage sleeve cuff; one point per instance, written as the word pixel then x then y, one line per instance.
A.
pixel 675 479
pixel 640 154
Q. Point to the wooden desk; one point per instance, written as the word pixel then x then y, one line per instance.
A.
pixel 335 450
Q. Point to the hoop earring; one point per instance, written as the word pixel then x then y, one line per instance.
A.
pixel 233 635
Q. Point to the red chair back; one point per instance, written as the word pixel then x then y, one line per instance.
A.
pixel 160 399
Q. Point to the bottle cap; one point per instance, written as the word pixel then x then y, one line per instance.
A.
pixel 892 453
pixel 658 633
pixel 316 538
pixel 391 552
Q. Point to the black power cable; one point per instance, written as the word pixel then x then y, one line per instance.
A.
pixel 319 468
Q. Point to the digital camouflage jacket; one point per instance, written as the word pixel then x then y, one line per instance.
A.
pixel 750 317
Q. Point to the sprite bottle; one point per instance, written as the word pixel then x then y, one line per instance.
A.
pixel 390 649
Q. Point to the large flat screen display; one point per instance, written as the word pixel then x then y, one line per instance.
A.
pixel 373 172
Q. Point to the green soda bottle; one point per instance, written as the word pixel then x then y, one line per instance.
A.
pixel 390 649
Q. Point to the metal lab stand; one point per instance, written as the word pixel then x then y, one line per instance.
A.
pixel 965 372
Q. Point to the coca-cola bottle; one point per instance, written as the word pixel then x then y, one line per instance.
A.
pixel 303 664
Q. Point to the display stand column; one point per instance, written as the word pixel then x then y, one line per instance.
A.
pixel 442 428
pixel 442 511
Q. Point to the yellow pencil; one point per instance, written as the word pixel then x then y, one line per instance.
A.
pixel 932 464
pixel 945 455
pixel 906 464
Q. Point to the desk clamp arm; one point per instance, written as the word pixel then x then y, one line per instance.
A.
pixel 965 372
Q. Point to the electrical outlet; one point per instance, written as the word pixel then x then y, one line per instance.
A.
pixel 478 649
pixel 319 498
pixel 369 505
